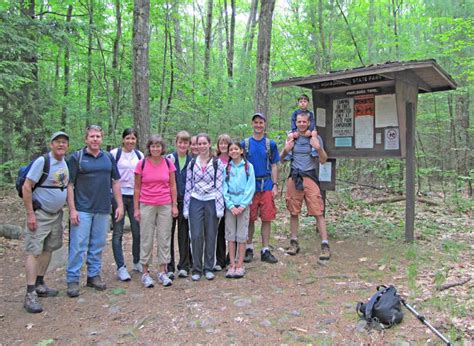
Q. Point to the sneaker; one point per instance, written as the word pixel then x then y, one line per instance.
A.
pixel 217 268
pixel 294 247
pixel 138 267
pixel 196 277
pixel 325 252
pixel 183 273
pixel 171 275
pixel 267 257
pixel 210 275
pixel 230 273
pixel 73 289
pixel 123 274
pixel 239 273
pixel 248 256
pixel 164 279
pixel 31 303
pixel 147 281
pixel 97 283
pixel 45 291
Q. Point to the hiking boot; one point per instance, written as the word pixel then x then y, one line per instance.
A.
pixel 138 267
pixel 147 281
pixel 239 273
pixel 183 273
pixel 325 252
pixel 164 279
pixel 248 256
pixel 73 289
pixel 123 274
pixel 268 257
pixel 44 291
pixel 210 276
pixel 97 283
pixel 31 303
pixel 294 247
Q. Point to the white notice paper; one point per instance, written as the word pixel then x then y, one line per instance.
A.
pixel 325 172
pixel 320 117
pixel 385 111
pixel 364 131
pixel 392 139
pixel 378 138
pixel 343 118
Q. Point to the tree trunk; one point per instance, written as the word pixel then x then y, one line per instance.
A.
pixel 207 41
pixel 250 28
pixel 263 56
pixel 465 151
pixel 89 62
pixel 115 69
pixel 395 8
pixel 370 32
pixel 67 77
pixel 230 39
pixel 141 73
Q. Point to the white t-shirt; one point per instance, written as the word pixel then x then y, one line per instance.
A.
pixel 126 167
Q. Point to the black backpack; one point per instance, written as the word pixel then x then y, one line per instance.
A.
pixel 214 165
pixel 384 307
pixel 118 155
pixel 23 172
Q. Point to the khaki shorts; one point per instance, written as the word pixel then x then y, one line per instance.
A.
pixel 237 227
pixel 48 236
pixel 310 193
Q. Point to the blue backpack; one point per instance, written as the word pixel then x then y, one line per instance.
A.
pixel 23 172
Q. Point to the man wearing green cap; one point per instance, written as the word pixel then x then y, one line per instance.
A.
pixel 44 208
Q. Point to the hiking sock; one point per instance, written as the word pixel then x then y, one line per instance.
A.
pixel 39 280
pixel 325 242
pixel 264 249
pixel 295 239
pixel 30 288
pixel 249 246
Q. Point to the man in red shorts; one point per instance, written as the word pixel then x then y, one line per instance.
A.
pixel 262 153
pixel 303 183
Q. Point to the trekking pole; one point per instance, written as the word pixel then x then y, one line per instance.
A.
pixel 422 319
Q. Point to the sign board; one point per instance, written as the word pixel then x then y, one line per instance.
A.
pixel 327 175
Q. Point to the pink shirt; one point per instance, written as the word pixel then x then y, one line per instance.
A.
pixel 155 188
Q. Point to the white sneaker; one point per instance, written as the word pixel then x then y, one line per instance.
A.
pixel 182 273
pixel 217 268
pixel 170 275
pixel 138 267
pixel 210 275
pixel 123 274
pixel 164 279
pixel 196 277
pixel 147 281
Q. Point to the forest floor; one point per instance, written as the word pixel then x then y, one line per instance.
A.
pixel 296 300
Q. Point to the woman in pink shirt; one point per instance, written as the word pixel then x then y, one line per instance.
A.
pixel 155 202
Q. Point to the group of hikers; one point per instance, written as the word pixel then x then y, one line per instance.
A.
pixel 212 201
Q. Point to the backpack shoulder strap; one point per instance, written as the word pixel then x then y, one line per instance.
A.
pixel 167 162
pixel 118 155
pixel 143 163
pixel 268 151
pixel 215 164
pixel 137 152
pixel 370 305
pixel 79 155
pixel 247 145
pixel 46 168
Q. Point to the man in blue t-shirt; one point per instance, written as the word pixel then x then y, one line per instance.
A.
pixel 44 227
pixel 93 174
pixel 263 154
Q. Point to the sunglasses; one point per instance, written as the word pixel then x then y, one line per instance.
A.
pixel 93 127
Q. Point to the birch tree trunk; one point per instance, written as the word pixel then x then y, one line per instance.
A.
pixel 141 73
pixel 67 78
pixel 263 56
pixel 115 68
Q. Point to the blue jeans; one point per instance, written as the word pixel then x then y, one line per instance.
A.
pixel 117 233
pixel 86 239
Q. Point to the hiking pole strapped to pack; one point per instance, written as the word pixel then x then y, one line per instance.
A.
pixel 422 319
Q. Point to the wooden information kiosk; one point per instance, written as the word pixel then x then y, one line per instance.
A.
pixel 371 112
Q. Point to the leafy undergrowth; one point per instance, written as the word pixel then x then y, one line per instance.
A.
pixel 294 301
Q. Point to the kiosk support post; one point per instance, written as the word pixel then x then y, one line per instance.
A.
pixel 410 174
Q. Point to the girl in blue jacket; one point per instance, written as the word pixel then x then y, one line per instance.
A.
pixel 239 187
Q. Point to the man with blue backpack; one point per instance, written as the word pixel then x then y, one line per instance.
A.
pixel 43 186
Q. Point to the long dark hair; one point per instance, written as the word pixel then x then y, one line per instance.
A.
pixel 129 131
pixel 246 163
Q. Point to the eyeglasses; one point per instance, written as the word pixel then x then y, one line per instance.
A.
pixel 93 127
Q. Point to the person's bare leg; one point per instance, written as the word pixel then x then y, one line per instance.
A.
pixel 231 245
pixel 266 228
pixel 31 269
pixel 321 224
pixel 43 261
pixel 240 261
pixel 251 232
pixel 294 223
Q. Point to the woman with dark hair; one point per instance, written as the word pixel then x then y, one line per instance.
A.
pixel 127 157
pixel 204 205
pixel 156 203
